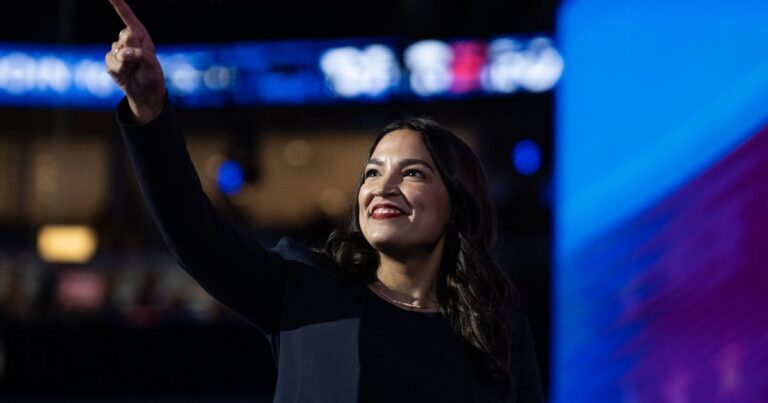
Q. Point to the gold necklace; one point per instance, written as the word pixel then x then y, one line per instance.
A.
pixel 379 287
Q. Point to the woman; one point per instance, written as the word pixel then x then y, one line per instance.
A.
pixel 403 305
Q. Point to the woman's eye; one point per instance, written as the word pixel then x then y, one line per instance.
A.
pixel 371 172
pixel 415 172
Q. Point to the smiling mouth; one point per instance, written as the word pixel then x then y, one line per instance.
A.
pixel 381 213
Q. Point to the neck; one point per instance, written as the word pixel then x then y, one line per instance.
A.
pixel 412 278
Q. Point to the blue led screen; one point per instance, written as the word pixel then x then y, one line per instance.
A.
pixel 660 221
pixel 289 72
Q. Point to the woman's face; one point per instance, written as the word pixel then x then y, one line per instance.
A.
pixel 404 204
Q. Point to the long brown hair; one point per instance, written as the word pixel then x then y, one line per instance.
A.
pixel 475 295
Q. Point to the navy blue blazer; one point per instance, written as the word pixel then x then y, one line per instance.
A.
pixel 311 320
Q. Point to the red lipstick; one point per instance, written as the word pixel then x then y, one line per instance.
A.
pixel 383 211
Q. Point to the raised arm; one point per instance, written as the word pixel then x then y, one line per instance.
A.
pixel 133 65
pixel 228 263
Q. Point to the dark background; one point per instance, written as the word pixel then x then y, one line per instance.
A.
pixel 57 355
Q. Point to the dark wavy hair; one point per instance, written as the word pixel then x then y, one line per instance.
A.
pixel 475 295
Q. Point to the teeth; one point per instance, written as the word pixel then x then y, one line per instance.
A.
pixel 385 210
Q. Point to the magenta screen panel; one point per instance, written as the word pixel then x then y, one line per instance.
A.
pixel 661 278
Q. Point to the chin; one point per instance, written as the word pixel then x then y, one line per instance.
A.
pixel 385 240
pixel 382 242
pixel 392 249
pixel 398 245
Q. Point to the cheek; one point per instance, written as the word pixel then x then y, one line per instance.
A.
pixel 363 198
pixel 445 201
pixel 365 194
pixel 439 205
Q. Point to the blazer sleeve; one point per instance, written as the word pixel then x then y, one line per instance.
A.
pixel 529 387
pixel 226 261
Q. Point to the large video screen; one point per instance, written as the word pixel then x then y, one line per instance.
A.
pixel 662 151
pixel 290 72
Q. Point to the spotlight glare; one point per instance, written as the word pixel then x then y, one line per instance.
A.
pixel 66 243
pixel 526 157
pixel 230 177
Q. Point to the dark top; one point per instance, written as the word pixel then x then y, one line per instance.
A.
pixel 316 326
pixel 408 356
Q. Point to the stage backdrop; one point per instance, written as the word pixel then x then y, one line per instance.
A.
pixel 661 279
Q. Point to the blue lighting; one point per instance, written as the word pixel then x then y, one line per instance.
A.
pixel 656 96
pixel 230 177
pixel 527 157
pixel 285 73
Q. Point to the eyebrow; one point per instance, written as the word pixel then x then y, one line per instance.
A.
pixel 403 163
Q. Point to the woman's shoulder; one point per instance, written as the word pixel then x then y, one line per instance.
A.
pixel 292 250
pixel 313 288
pixel 311 263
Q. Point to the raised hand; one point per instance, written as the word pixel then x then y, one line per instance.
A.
pixel 133 65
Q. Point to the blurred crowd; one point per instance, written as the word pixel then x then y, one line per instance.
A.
pixel 134 291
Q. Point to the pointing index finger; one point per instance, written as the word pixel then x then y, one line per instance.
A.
pixel 125 13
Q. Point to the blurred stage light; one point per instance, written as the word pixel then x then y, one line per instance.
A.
pixel 49 76
pixel 182 75
pixel 469 57
pixel 185 78
pixel 429 63
pixel 80 290
pixel 535 66
pixel 20 72
pixel 288 72
pixel 91 76
pixel 544 68
pixel 66 243
pixel 353 72
pixel 230 177
pixel 502 72
pixel 527 157
pixel 217 78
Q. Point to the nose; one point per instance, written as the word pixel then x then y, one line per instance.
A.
pixel 386 191
pixel 387 186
